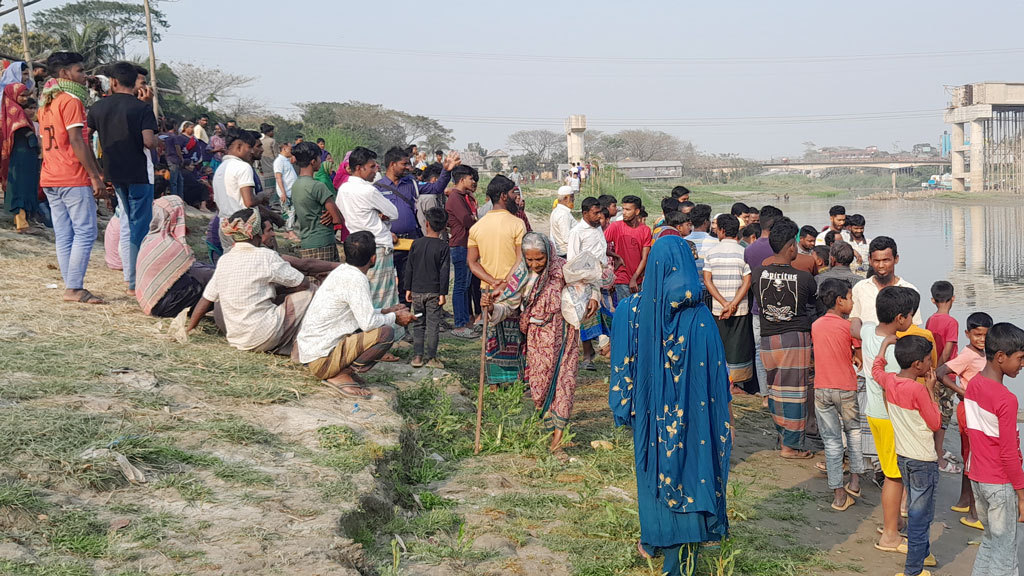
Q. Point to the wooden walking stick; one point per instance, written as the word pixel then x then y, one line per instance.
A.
pixel 480 392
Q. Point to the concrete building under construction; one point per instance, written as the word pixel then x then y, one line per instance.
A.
pixel 988 136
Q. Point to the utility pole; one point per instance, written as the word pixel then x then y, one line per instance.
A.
pixel 152 58
pixel 24 35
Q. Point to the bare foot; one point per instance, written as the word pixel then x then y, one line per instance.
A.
pixel 643 553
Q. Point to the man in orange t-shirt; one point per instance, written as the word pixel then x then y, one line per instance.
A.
pixel 70 175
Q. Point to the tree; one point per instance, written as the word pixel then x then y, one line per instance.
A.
pixel 496 165
pixel 528 162
pixel 426 132
pixel 476 147
pixel 93 41
pixel 39 44
pixel 609 147
pixel 377 127
pixel 201 87
pixel 125 21
pixel 645 145
pixel 538 142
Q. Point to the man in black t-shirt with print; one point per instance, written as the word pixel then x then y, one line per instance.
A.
pixel 127 130
pixel 783 294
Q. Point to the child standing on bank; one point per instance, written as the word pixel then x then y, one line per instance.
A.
pixel 966 366
pixel 835 390
pixel 426 279
pixel 995 465
pixel 914 413
pixel 894 307
pixel 946 330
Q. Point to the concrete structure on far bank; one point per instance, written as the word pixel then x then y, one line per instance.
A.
pixel 575 126
pixel 992 156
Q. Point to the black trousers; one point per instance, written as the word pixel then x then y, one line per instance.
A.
pixel 425 328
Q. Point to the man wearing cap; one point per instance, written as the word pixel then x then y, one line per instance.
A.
pixel 562 221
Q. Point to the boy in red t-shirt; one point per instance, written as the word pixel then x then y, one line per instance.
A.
pixel 914 413
pixel 632 241
pixel 966 366
pixel 995 464
pixel 835 390
pixel 945 329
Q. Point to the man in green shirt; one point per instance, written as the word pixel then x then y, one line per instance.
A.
pixel 315 211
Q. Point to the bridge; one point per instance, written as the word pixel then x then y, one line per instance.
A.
pixel 891 164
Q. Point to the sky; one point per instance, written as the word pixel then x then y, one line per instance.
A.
pixel 753 78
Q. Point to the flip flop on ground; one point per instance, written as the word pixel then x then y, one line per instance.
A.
pixel 951 468
pixel 802 455
pixel 85 297
pixel 349 390
pixel 899 549
pixel 849 502
pixel 976 524
pixel 850 491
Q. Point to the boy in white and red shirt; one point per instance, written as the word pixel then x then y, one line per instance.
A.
pixel 967 364
pixel 994 466
pixel 914 413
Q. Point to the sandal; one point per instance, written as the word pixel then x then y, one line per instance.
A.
pixel 341 390
pixel 86 297
pixel 851 492
pixel 976 524
pixel 849 502
pixel 803 455
pixel 389 357
pixel 960 509
pixel 588 365
pixel 900 549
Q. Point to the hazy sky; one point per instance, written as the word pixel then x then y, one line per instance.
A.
pixel 753 77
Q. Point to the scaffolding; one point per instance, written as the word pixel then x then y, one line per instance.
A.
pixel 987 144
pixel 1004 150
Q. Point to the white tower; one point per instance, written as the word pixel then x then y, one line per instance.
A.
pixel 575 126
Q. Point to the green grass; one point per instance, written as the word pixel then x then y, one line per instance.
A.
pixel 10 568
pixel 242 474
pixel 16 495
pixel 237 431
pixel 78 532
pixel 151 529
pixel 189 487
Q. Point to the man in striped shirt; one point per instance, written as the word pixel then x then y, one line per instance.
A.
pixel 727 278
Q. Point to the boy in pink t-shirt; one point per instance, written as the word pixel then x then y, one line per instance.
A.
pixel 966 365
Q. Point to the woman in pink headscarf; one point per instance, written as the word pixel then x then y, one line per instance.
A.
pixel 340 178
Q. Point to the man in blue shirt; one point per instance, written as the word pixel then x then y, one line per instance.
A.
pixel 401 189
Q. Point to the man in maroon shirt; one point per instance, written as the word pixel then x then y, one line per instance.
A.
pixel 461 208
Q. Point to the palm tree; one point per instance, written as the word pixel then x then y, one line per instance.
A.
pixel 93 41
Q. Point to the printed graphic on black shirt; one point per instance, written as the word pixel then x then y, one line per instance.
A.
pixel 778 292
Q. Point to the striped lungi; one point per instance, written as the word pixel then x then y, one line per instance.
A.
pixel 737 335
pixel 590 328
pixel 327 253
pixel 383 280
pixel 787 359
pixel 506 358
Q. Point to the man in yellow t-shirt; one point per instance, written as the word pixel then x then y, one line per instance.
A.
pixel 495 241
pixel 494 249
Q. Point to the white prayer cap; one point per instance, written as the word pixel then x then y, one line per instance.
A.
pixel 565 191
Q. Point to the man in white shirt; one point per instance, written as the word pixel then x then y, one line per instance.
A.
pixel 234 185
pixel 883 256
pixel 365 208
pixel 284 173
pixel 561 220
pixel 837 220
pixel 200 129
pixel 574 182
pixel 588 237
pixel 246 284
pixel 516 177
pixel 344 334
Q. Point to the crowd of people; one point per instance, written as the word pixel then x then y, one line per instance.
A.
pixel 701 308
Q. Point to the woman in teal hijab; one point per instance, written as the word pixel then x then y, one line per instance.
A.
pixel 670 383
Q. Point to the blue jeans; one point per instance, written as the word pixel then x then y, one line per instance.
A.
pixel 460 289
pixel 920 479
pixel 137 205
pixel 838 414
pixel 74 229
pixel 177 183
pixel 997 511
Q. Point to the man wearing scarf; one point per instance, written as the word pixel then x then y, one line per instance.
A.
pixel 261 297
pixel 70 175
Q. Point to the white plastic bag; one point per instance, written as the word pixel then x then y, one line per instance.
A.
pixel 574 302
pixel 582 269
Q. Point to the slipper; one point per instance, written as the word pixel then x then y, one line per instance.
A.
pixel 389 358
pixel 417 362
pixel 901 549
pixel 928 561
pixel 588 365
pixel 849 502
pixel 821 467
pixel 976 524
pixel 86 297
pixel 950 456
pixel 851 492
pixel 960 509
pixel 951 468
pixel 805 455
pixel 881 531
pixel 341 390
